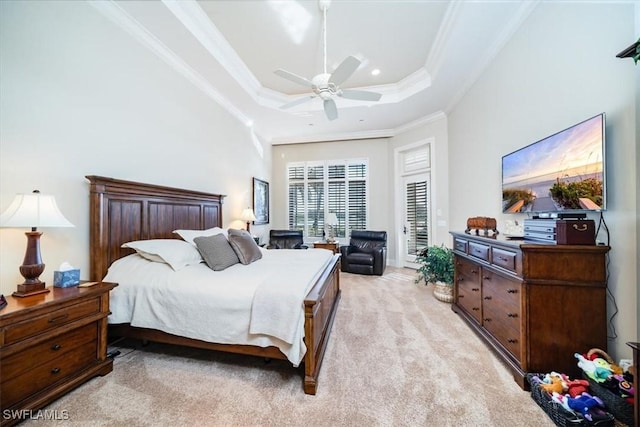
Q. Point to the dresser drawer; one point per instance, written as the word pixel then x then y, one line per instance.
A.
pixel 508 337
pixel 479 250
pixel 460 245
pixel 468 269
pixel 39 324
pixel 498 287
pixel 47 374
pixel 48 350
pixel 470 302
pixel 503 258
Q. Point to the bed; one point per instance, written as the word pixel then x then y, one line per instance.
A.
pixel 124 211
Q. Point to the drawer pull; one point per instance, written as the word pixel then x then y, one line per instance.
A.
pixel 56 319
pixel 486 278
pixel 55 371
pixel 487 297
pixel 503 259
pixel 460 279
pixel 512 291
pixel 56 347
pixel 475 289
pixel 488 319
pixel 512 315
pixel 474 271
pixel 512 340
pixel 460 296
pixel 476 309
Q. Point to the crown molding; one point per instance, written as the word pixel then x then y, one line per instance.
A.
pixel 420 122
pixel 346 136
pixel 439 48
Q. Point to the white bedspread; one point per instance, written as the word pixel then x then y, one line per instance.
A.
pixel 260 304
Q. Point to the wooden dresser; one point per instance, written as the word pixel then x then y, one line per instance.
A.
pixel 534 304
pixel 50 344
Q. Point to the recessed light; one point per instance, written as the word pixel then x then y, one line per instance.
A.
pixel 375 72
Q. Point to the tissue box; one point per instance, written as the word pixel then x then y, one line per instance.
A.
pixel 66 279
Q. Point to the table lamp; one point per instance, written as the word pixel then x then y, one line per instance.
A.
pixel 332 221
pixel 32 210
pixel 248 216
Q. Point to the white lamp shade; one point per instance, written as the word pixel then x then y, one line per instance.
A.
pixel 33 210
pixel 332 219
pixel 248 215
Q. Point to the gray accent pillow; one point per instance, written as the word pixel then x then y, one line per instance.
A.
pixel 245 247
pixel 216 251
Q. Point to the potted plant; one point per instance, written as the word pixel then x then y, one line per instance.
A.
pixel 436 266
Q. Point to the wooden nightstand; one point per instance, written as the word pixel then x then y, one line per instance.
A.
pixel 335 246
pixel 50 344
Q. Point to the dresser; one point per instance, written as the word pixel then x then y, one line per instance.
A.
pixel 534 305
pixel 51 343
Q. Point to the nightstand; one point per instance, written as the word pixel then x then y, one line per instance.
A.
pixel 332 246
pixel 51 343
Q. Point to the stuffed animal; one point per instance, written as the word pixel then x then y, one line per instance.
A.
pixel 595 371
pixel 589 406
pixel 576 387
pixel 553 382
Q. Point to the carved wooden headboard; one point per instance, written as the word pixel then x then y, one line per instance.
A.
pixel 123 211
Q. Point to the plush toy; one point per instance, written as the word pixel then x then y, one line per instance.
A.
pixel 553 382
pixel 595 371
pixel 589 406
pixel 576 387
pixel 562 400
pixel 619 385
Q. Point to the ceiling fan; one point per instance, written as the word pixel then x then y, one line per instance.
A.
pixel 327 86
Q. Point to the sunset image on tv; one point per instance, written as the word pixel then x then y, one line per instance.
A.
pixel 562 172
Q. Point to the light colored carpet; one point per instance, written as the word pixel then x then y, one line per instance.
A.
pixel 396 357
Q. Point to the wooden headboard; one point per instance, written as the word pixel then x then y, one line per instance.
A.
pixel 123 211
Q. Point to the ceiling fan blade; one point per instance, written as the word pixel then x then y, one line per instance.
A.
pixel 297 102
pixel 330 109
pixel 344 70
pixel 361 95
pixel 293 77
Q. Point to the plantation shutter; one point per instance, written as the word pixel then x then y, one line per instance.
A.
pixel 417 216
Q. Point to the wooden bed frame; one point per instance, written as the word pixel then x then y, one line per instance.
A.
pixel 123 211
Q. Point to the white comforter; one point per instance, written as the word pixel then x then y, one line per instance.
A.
pixel 260 304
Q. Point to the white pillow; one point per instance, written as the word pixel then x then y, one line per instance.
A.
pixel 189 235
pixel 177 253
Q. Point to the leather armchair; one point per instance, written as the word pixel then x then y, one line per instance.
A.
pixel 286 239
pixel 366 253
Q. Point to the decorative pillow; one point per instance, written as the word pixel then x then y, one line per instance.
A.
pixel 216 251
pixel 177 253
pixel 189 235
pixel 244 246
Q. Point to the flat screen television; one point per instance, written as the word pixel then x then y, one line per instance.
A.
pixel 559 175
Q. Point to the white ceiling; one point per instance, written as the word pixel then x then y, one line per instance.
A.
pixel 428 53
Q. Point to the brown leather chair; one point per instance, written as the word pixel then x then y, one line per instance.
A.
pixel 286 239
pixel 366 253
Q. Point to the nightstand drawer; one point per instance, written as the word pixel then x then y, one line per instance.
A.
pixel 47 374
pixel 46 351
pixel 37 325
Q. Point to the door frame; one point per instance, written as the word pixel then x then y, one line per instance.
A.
pixel 398 186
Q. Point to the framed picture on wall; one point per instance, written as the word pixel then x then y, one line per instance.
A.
pixel 261 201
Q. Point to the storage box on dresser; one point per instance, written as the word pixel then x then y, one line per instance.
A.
pixel 51 343
pixel 534 304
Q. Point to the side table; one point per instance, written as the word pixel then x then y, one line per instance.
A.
pixel 332 246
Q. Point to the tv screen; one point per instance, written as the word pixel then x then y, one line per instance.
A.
pixel 563 172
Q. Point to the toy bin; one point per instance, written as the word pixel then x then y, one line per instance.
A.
pixel 558 414
pixel 616 405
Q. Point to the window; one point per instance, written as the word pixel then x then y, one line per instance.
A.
pixel 317 189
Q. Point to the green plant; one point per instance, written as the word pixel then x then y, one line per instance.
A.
pixel 636 56
pixel 436 265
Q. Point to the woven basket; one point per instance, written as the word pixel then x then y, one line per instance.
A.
pixel 616 405
pixel 558 414
pixel 443 292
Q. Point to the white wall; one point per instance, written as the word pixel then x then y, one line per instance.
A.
pixel 80 97
pixel 559 68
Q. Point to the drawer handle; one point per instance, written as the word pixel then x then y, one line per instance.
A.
pixel 460 279
pixel 503 259
pixel 55 319
pixel 476 309
pixel 512 315
pixel 475 289
pixel 460 296
pixel 487 297
pixel 486 278
pixel 55 371
pixel 488 319
pixel 512 291
pixel 56 347
pixel 512 340
pixel 474 271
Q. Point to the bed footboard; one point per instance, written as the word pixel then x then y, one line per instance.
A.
pixel 320 308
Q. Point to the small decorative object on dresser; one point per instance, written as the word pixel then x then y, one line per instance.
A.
pixel 51 344
pixel 483 223
pixel 436 267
